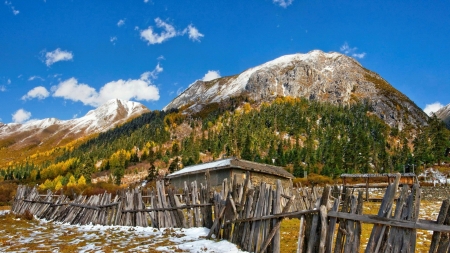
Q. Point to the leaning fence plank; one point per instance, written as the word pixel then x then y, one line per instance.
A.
pixel 384 211
pixel 301 234
pixel 440 220
pixel 276 227
pixel 332 223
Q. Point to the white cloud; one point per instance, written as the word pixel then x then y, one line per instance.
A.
pixel 360 56
pixel 346 49
pixel 155 38
pixel 211 75
pixel 283 3
pixel 180 90
pixel 168 32
pixel 9 81
pixel 160 58
pixel 121 22
pixel 113 40
pixel 39 92
pixel 2 88
pixel 72 90
pixel 14 11
pixel 137 89
pixel 21 116
pixel 431 108
pixel 57 55
pixel 152 74
pixel 35 77
pixel 193 32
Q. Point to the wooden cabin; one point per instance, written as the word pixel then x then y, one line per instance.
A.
pixel 406 178
pixel 377 180
pixel 230 168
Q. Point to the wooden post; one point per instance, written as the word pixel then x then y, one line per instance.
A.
pixel 385 209
pixel 367 188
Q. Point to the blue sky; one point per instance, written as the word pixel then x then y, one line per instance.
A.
pixel 63 58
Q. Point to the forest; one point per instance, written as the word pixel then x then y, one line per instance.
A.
pixel 300 135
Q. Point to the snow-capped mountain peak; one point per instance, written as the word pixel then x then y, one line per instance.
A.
pixel 106 116
pixel 444 115
pixel 327 77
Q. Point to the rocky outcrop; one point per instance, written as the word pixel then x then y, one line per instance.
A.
pixel 327 77
pixel 444 115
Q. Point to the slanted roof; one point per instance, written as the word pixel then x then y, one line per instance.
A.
pixel 232 163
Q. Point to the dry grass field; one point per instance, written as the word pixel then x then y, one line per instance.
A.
pixel 18 234
pixel 429 210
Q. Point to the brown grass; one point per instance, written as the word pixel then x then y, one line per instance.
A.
pixel 290 227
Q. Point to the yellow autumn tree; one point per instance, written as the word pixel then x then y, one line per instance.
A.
pixel 72 181
pixel 58 186
pixel 81 181
pixel 48 184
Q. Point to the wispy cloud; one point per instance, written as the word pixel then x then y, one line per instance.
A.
pixel 9 81
pixel 137 89
pixel 283 3
pixel 14 11
pixel 155 38
pixel 39 92
pixel 21 116
pixel 113 40
pixel 168 32
pixel 193 32
pixel 211 75
pixel 2 88
pixel 160 58
pixel 346 49
pixel 180 90
pixel 432 108
pixel 121 22
pixel 35 77
pixel 56 56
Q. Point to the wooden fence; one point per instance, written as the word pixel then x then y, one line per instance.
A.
pixel 330 218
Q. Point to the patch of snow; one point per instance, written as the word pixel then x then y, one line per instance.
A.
pixel 97 120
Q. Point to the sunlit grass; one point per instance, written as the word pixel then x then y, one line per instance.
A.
pixel 428 210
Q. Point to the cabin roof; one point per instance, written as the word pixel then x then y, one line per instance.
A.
pixel 374 175
pixel 232 163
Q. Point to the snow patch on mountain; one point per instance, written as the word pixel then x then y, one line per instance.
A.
pixel 110 114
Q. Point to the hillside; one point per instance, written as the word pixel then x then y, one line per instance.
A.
pixel 444 115
pixel 316 76
pixel 328 116
pixel 20 140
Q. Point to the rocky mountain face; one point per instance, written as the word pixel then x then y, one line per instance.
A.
pixel 444 114
pixel 53 131
pixel 327 77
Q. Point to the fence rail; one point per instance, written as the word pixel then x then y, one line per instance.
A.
pixel 330 218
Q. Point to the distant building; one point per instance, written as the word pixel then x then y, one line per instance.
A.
pixel 434 176
pixel 230 168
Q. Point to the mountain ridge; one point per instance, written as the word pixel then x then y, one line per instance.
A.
pixel 328 77
pixel 52 132
pixel 444 115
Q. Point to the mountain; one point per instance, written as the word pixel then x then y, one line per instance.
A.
pixel 52 132
pixel 325 77
pixel 444 114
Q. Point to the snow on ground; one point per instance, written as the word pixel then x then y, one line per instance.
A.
pixel 47 236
